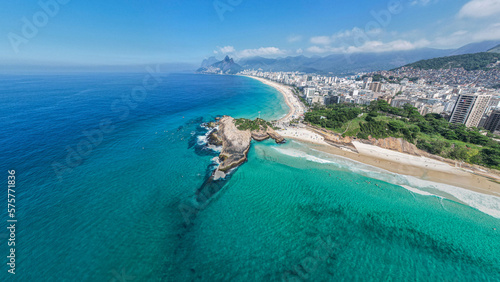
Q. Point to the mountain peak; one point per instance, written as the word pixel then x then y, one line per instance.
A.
pixel 227 66
pixel 228 60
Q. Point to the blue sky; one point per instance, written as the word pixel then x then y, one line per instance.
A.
pixel 72 32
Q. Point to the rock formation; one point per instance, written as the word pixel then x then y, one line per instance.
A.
pixel 226 66
pixel 398 144
pixel 236 143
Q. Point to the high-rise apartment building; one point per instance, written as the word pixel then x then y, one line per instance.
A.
pixel 493 122
pixel 376 87
pixel 469 109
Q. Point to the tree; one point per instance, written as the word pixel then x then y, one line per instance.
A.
pixel 396 126
pixel 491 157
pixel 458 153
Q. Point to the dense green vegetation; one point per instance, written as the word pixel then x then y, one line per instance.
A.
pixel 333 116
pixel 477 61
pixel 247 124
pixel 431 133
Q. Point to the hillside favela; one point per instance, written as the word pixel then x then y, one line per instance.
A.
pixel 245 141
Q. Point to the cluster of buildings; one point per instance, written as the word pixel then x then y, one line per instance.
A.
pixel 469 104
pixel 454 76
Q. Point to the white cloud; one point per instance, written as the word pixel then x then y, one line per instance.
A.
pixel 356 40
pixel 459 38
pixel 375 31
pixel 321 40
pixel 480 9
pixel 263 51
pixel 455 39
pixel 492 32
pixel 372 47
pixel 345 35
pixel 227 49
pixel 299 51
pixel 420 2
pixel 445 34
pixel 325 49
pixel 459 33
pixel 294 38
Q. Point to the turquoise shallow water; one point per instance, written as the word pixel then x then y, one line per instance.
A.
pixel 285 218
pixel 288 213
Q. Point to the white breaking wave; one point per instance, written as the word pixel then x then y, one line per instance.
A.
pixel 301 154
pixel 216 149
pixel 203 140
pixel 423 193
pixel 216 161
pixel 488 204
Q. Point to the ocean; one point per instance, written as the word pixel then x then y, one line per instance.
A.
pixel 106 163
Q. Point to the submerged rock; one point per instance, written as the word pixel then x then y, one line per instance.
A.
pixel 235 143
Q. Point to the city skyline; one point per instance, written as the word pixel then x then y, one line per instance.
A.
pixel 64 32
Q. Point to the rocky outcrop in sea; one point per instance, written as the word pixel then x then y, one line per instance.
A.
pixel 235 142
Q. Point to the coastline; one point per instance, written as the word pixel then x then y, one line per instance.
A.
pixel 393 161
pixel 294 105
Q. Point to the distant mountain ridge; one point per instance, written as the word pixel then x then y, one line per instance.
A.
pixel 342 63
pixel 226 66
pixel 475 48
pixel 346 64
pixel 495 49
pixel 208 62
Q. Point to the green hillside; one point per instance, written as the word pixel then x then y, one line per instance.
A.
pixel 477 61
pixel 431 133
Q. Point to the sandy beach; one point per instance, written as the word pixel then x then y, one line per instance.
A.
pixel 393 161
pixel 420 167
pixel 294 104
pixel 296 110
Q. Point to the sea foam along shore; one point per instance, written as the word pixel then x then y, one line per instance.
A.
pixel 396 162
pixel 485 203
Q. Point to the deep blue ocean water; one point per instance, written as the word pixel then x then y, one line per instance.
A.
pixel 102 170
